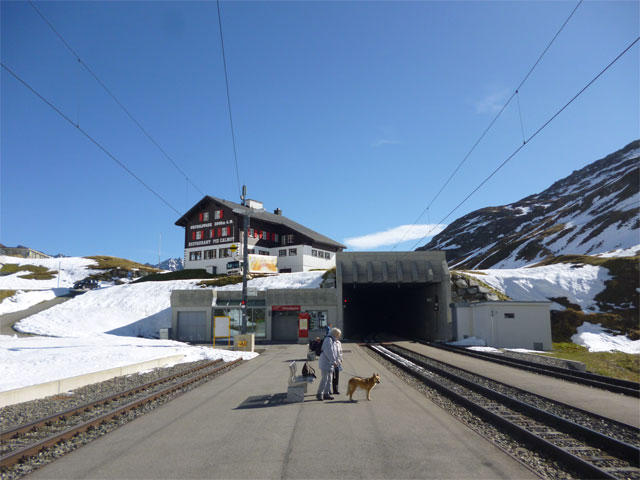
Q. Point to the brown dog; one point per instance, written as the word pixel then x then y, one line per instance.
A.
pixel 364 383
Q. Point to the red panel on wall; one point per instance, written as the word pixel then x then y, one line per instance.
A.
pixel 285 308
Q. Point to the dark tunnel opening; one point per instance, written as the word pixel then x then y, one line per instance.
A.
pixel 405 310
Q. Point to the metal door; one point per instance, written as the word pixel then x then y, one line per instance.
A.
pixel 284 326
pixel 192 327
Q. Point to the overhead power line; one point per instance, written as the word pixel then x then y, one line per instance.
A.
pixel 59 112
pixel 531 137
pixel 226 79
pixel 106 89
pixel 490 125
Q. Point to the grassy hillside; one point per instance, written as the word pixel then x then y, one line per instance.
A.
pixel 612 364
pixel 35 272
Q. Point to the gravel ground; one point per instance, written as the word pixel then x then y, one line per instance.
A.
pixel 19 414
pixel 605 426
pixel 540 465
pixel 14 415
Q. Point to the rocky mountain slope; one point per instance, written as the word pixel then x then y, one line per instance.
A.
pixel 595 209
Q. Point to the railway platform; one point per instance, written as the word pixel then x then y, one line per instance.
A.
pixel 618 407
pixel 238 426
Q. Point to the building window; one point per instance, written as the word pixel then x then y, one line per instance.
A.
pixel 263 252
pixel 209 254
pixel 327 255
pixel 217 215
pixel 282 253
pixel 314 253
pixel 195 256
pixel 276 237
pixel 318 319
pixel 287 239
pixel 509 315
pixel 224 253
pixel 293 252
pixel 199 235
pixel 205 216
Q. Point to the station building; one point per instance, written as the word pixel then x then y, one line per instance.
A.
pixel 373 292
pixel 213 225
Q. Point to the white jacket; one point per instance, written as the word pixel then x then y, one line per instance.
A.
pixel 329 354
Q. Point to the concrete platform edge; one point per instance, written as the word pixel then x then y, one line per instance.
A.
pixel 33 392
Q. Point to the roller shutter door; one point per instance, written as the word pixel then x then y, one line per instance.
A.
pixel 192 326
pixel 284 326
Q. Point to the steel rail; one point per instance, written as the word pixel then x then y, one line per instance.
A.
pixel 27 427
pixel 616 385
pixel 578 464
pixel 15 457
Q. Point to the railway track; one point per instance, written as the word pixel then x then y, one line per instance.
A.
pixel 589 445
pixel 23 443
pixel 624 387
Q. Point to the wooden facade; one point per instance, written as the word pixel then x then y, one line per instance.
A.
pixel 212 226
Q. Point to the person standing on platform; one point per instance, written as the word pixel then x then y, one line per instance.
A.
pixel 337 368
pixel 327 331
pixel 327 361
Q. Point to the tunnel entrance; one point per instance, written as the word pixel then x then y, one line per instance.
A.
pixel 402 293
pixel 403 310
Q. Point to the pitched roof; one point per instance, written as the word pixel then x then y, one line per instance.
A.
pixel 265 217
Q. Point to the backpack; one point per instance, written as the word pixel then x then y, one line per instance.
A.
pixel 308 371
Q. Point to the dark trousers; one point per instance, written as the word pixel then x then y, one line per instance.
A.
pixel 336 377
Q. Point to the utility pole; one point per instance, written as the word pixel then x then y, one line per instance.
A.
pixel 245 260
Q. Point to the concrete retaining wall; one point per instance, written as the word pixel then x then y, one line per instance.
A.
pixel 55 387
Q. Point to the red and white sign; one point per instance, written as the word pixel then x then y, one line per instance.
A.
pixel 285 308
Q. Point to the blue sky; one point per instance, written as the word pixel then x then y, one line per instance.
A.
pixel 349 116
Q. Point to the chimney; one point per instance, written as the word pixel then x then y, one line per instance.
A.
pixel 277 211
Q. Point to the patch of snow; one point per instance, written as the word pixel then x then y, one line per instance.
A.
pixel 580 285
pixel 23 300
pixel 621 252
pixel 597 339
pixel 468 342
pixel 71 269
pixel 33 360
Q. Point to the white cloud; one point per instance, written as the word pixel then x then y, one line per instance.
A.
pixel 492 103
pixel 394 235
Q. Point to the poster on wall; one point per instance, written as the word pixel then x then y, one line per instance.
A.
pixel 263 264
pixel 221 329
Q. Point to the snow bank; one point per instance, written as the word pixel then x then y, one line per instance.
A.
pixel 23 300
pixel 33 360
pixel 579 283
pixel 71 270
pixel 597 339
pixel 134 310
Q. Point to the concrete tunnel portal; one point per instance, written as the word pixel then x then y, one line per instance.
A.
pixel 404 293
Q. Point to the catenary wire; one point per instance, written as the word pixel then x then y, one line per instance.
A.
pixel 531 137
pixel 110 93
pixel 226 79
pixel 59 112
pixel 489 126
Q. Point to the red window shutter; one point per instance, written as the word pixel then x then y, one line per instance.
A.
pixel 200 216
pixel 221 213
pixel 193 235
pixel 219 231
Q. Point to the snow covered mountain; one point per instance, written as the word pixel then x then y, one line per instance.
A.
pixel 170 264
pixel 594 210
